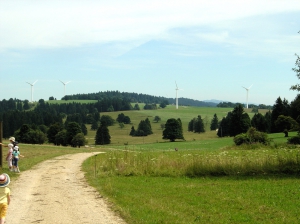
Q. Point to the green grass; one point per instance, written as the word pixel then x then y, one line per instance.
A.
pixel 147 181
pixel 203 200
pixel 186 114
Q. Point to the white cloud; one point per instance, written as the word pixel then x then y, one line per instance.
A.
pixel 47 24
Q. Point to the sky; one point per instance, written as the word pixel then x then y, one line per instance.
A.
pixel 209 49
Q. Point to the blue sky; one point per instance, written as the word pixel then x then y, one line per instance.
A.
pixel 210 48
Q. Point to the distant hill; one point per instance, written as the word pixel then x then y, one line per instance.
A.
pixel 138 98
pixel 148 99
pixel 191 102
pixel 213 101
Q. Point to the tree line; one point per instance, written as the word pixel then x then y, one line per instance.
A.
pixel 253 106
pixel 284 117
pixel 138 98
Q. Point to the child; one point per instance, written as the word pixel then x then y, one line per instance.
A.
pixel 9 156
pixel 16 154
pixel 9 153
pixel 4 196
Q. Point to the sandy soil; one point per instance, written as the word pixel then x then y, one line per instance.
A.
pixel 55 191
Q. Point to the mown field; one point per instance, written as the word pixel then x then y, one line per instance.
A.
pixel 208 180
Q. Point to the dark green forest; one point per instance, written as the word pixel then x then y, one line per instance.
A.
pixel 137 98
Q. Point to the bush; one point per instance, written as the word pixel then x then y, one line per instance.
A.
pixel 78 140
pixel 252 136
pixel 294 140
pixel 107 119
pixel 257 136
pixel 241 139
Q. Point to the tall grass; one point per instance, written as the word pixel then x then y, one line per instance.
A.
pixel 229 185
pixel 195 163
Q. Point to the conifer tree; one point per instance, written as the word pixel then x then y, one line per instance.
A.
pixel 132 132
pixel 102 135
pixel 214 123
pixel 149 128
pixel 198 125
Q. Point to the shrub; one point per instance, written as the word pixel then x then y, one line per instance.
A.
pixel 252 136
pixel 241 139
pixel 78 140
pixel 294 140
pixel 257 136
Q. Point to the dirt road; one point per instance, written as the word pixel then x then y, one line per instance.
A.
pixel 55 191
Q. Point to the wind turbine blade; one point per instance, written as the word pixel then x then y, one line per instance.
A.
pixel 67 82
pixel 176 85
pixel 250 86
pixel 29 83
pixel 62 82
pixel 34 82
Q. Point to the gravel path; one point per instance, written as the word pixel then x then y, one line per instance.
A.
pixel 55 191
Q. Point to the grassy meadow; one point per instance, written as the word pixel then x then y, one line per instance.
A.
pixel 186 114
pixel 207 180
pixel 217 184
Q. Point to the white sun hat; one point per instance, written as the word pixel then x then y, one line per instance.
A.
pixel 4 180
pixel 12 139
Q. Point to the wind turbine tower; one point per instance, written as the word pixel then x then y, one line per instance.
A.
pixel 32 84
pixel 177 95
pixel 64 83
pixel 247 89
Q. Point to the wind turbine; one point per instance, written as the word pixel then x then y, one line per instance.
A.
pixel 65 83
pixel 247 89
pixel 177 95
pixel 32 84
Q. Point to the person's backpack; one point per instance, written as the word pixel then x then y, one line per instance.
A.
pixel 15 146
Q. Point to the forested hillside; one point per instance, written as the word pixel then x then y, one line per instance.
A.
pixel 138 98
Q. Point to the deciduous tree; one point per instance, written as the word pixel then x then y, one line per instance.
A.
pixel 281 107
pixel 52 131
pixel 61 138
pixel 109 121
pixel 285 124
pixel 73 129
pixel 94 125
pixel 157 119
pixel 297 71
pixel 121 125
pixel 78 140
pixel 173 130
